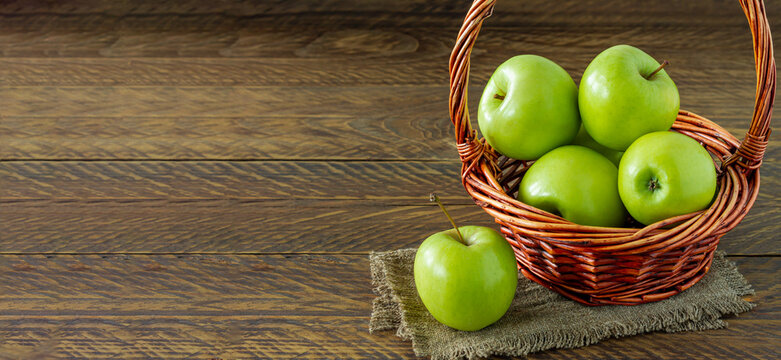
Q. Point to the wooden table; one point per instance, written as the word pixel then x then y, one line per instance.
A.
pixel 205 179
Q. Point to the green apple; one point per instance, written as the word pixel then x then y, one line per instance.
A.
pixel 577 183
pixel 583 139
pixel 665 174
pixel 529 107
pixel 622 99
pixel 466 285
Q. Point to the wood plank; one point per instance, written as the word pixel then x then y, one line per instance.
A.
pixel 425 66
pixel 240 101
pixel 188 306
pixel 376 136
pixel 256 206
pixel 222 226
pixel 183 51
pixel 359 123
pixel 235 101
pixel 380 135
pixel 248 55
pixel 328 37
pixel 92 306
pixel 236 226
pixel 535 11
pixel 379 183
pixel 43 116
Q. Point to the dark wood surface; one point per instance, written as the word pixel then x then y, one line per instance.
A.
pixel 199 179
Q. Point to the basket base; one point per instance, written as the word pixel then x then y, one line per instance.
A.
pixel 621 291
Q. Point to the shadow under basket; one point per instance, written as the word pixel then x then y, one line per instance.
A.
pixel 624 266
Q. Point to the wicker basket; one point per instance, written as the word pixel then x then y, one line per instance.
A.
pixel 627 266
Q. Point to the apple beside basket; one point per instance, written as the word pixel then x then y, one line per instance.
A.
pixel 626 266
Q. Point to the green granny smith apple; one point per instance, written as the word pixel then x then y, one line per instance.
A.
pixel 529 107
pixel 469 285
pixel 466 277
pixel 624 94
pixel 576 182
pixel 665 174
pixel 583 139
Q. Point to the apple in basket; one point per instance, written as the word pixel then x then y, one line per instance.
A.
pixel 577 183
pixel 528 107
pixel 466 276
pixel 625 94
pixel 665 174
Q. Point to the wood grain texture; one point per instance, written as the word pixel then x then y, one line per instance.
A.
pixel 311 306
pixel 419 66
pixel 378 93
pixel 340 108
pixel 400 122
pixel 188 307
pixel 718 12
pixel 238 101
pixel 350 56
pixel 380 183
pixel 257 207
pixel 376 136
pixel 241 226
pixel 223 226
pixel 306 37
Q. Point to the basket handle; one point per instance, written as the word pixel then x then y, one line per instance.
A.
pixel 748 155
pixel 752 148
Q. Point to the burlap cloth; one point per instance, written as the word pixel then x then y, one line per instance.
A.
pixel 540 319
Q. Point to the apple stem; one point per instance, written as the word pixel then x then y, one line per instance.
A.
pixel 433 197
pixel 664 63
pixel 497 96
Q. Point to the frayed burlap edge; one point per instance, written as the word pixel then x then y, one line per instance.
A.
pixel 398 306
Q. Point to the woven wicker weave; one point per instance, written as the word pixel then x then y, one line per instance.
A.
pixel 596 265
